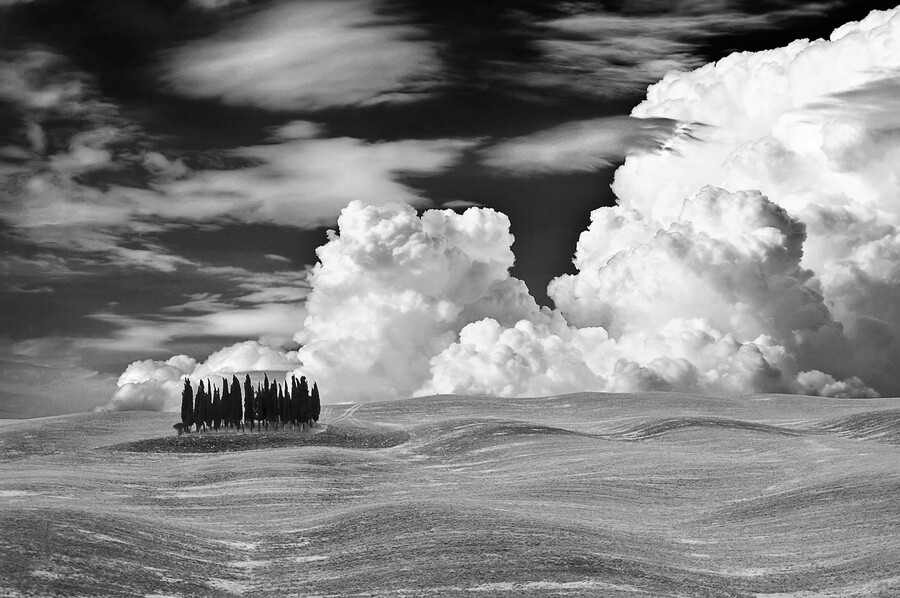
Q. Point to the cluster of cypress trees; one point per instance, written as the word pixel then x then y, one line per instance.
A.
pixel 268 405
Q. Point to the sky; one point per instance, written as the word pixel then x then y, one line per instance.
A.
pixel 168 170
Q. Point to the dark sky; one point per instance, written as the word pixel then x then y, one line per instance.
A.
pixel 168 167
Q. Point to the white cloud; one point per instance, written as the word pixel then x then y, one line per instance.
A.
pixel 245 357
pixel 270 313
pixel 151 385
pixel 216 4
pixel 715 302
pixel 308 55
pixel 156 385
pixel 267 306
pixel 392 290
pixel 524 360
pixel 277 258
pixel 721 283
pixel 306 182
pixel 86 152
pixel 682 286
pixel 299 182
pixel 41 377
pixel 298 129
pixel 765 258
pixel 295 179
pixel 813 126
pixel 45 266
pixel 596 52
pixel 816 382
pixel 41 197
pixel 581 146
pixel 161 166
pixel 24 82
pixel 273 322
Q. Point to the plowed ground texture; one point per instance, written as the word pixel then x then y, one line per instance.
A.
pixel 640 495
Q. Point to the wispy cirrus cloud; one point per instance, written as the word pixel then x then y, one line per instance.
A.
pixel 65 130
pixel 84 192
pixel 598 52
pixel 270 323
pixel 268 306
pixel 308 56
pixel 583 145
pixel 215 4
pixel 98 189
pixel 36 79
pixel 306 182
pixel 298 182
pixel 36 274
pixel 45 376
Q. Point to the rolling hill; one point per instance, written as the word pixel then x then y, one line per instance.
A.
pixel 578 495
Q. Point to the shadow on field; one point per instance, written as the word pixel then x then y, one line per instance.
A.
pixel 460 436
pixel 71 552
pixel 466 435
pixel 660 427
pixel 882 426
pixel 352 437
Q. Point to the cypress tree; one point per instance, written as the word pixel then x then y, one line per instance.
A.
pixel 267 400
pixel 196 417
pixel 316 404
pixel 225 414
pixel 279 403
pixel 208 404
pixel 236 410
pixel 216 409
pixel 227 405
pixel 273 405
pixel 267 404
pixel 234 397
pixel 295 401
pixel 264 414
pixel 303 408
pixel 187 405
pixel 248 402
pixel 270 403
pixel 200 407
pixel 259 406
pixel 284 401
pixel 272 411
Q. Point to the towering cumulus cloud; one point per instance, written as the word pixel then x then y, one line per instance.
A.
pixel 393 290
pixel 813 126
pixel 762 257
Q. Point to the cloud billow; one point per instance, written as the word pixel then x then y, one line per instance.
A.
pixel 764 258
pixel 156 385
pixel 709 276
pixel 392 290
pixel 809 126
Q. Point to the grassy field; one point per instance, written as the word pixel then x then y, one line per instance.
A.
pixel 650 495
